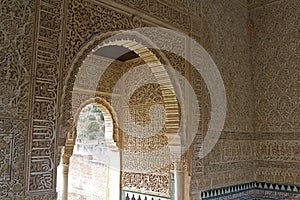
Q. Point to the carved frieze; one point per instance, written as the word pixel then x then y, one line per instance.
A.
pixel 158 184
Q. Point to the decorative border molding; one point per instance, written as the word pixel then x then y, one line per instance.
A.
pixel 292 190
pixel 224 191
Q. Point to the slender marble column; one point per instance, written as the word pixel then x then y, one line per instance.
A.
pixel 64 188
pixel 67 153
pixel 113 189
pixel 179 180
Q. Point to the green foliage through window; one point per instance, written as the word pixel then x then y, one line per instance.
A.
pixel 90 124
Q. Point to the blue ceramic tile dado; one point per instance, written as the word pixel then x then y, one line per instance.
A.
pixel 254 190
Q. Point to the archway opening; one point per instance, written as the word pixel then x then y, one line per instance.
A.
pixel 88 171
pixel 90 167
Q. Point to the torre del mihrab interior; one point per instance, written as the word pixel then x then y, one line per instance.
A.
pixel 149 99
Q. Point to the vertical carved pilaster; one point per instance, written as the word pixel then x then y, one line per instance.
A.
pixel 45 69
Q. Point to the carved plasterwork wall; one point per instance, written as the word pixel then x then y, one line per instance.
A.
pixel 29 86
pixel 275 43
pixel 89 84
pixel 16 30
pixel 50 67
pixel 139 154
pixel 224 34
pixel 252 4
pixel 41 64
pixel 15 40
pixel 39 45
pixel 12 143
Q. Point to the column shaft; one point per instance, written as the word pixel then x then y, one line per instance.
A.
pixel 64 188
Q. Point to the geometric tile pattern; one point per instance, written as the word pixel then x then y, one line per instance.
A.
pixel 278 187
pixel 254 190
pixel 130 195
pixel 229 190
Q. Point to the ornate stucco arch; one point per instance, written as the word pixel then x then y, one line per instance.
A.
pixel 151 58
pixel 163 78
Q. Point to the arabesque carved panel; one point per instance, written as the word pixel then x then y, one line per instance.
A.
pixel 12 156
